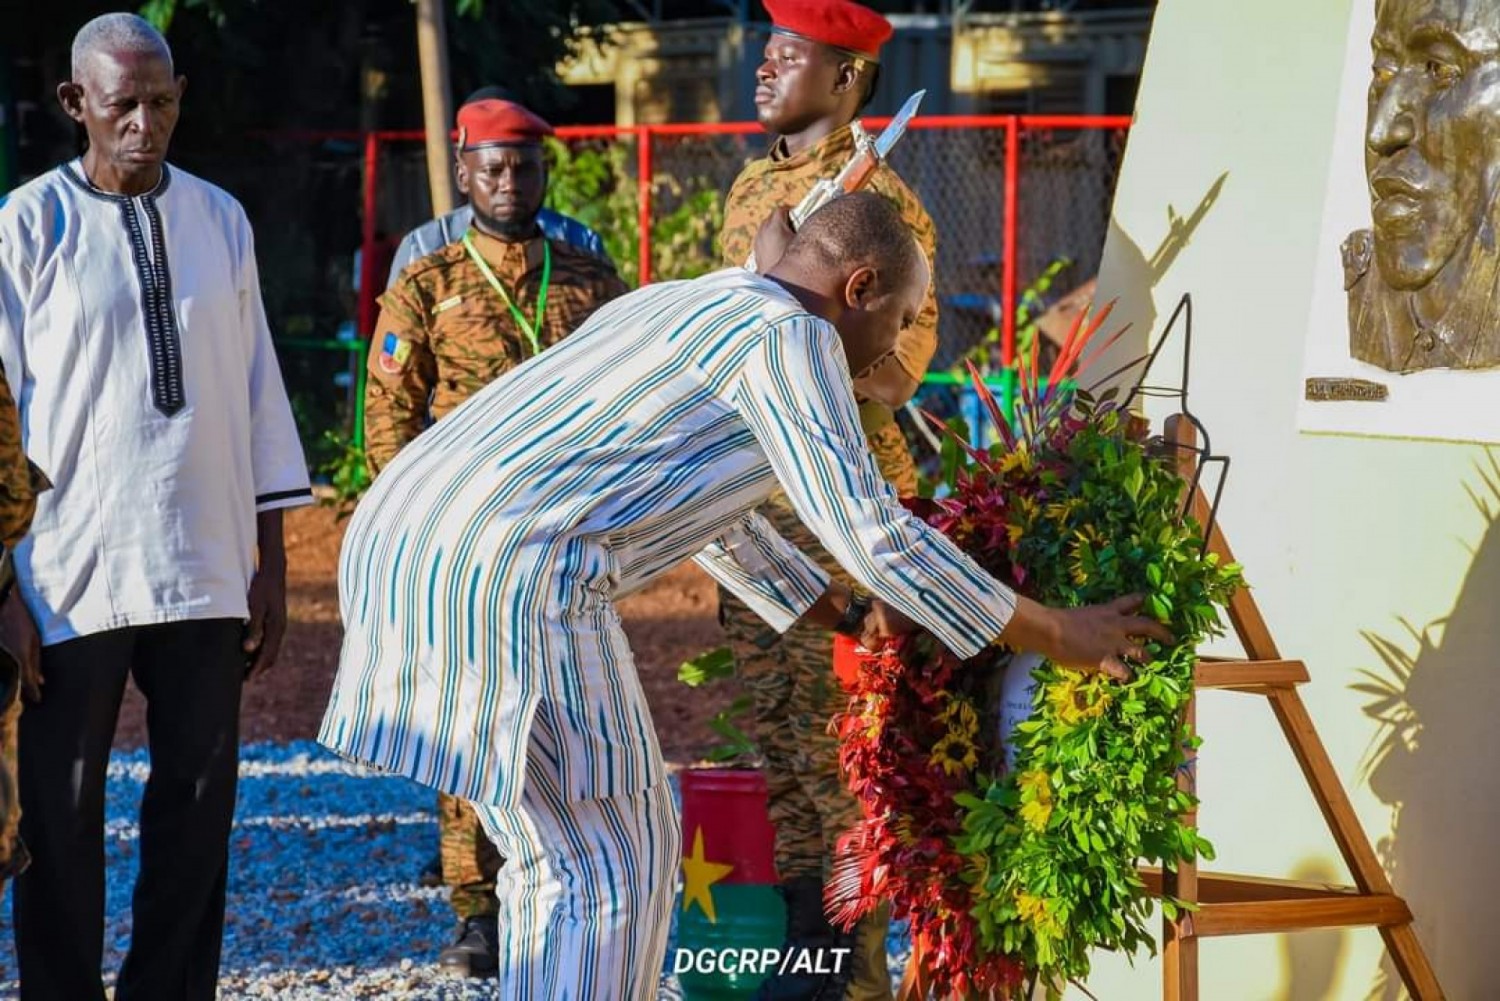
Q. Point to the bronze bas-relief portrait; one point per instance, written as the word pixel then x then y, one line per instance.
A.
pixel 1432 159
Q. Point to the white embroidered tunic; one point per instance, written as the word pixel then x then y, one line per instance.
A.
pixel 134 339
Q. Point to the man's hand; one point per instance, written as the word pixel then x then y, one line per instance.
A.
pixel 19 634
pixel 267 626
pixel 772 238
pixel 267 597
pixel 881 623
pixel 1097 638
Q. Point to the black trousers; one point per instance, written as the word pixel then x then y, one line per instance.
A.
pixel 191 674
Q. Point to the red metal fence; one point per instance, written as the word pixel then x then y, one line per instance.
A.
pixel 1010 196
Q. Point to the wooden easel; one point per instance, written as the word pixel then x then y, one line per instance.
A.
pixel 1249 905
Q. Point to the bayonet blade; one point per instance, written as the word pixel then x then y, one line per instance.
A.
pixel 898 124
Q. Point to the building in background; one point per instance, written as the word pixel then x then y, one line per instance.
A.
pixel 688 61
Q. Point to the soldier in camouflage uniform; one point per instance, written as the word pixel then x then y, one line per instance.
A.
pixel 819 71
pixel 20 669
pixel 451 323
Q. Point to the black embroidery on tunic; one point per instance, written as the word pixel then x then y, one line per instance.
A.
pixel 154 275
pixel 280 495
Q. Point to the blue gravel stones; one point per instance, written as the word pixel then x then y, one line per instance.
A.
pixel 323 894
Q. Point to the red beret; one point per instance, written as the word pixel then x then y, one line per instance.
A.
pixel 842 24
pixel 493 122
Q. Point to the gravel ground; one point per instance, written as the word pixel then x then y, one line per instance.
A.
pixel 323 901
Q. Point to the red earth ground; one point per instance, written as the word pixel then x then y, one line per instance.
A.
pixel 668 623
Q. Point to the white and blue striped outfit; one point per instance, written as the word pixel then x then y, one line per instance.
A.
pixel 483 654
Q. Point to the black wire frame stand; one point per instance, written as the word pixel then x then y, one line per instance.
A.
pixel 1206 456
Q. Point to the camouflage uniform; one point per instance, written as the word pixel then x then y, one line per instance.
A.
pixel 444 334
pixel 791 681
pixel 20 482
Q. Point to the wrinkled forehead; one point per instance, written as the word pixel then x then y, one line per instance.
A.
pixel 110 71
pixel 1472 26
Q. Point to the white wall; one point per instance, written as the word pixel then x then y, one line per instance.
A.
pixel 1346 541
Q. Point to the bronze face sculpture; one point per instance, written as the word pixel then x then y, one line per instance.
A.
pixel 1432 158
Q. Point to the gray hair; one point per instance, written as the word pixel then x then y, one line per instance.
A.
pixel 117 33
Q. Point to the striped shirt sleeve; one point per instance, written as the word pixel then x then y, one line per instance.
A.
pixel 765 571
pixel 795 394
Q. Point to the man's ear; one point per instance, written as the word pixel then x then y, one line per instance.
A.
pixel 862 288
pixel 846 77
pixel 70 96
pixel 181 87
pixel 461 174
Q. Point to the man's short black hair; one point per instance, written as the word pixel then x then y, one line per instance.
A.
pixel 863 229
pixel 869 79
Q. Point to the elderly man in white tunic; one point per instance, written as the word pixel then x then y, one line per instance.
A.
pixel 132 332
pixel 482 651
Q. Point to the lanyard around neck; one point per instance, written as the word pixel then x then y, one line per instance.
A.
pixel 530 328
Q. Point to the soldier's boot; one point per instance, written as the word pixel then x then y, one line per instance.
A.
pixel 809 936
pixel 476 952
pixel 432 872
pixel 869 972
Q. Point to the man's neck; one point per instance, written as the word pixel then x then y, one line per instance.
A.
pixel 107 177
pixel 811 293
pixel 821 294
pixel 517 234
pixel 815 133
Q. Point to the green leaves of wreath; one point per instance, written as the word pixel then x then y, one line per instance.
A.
pixel 1015 876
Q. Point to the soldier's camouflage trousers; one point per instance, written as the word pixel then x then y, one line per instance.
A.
pixel 13 854
pixel 470 859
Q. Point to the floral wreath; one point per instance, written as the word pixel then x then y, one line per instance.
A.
pixel 1013 857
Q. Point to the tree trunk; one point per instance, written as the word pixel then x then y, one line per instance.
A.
pixel 437 103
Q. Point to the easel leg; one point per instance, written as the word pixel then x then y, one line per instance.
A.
pixel 1411 962
pixel 1180 951
pixel 1369 875
pixel 1180 945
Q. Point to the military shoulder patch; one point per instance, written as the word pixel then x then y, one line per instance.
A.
pixel 393 354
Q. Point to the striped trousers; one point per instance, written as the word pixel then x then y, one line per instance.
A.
pixel 587 887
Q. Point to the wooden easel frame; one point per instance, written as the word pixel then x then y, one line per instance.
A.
pixel 1229 904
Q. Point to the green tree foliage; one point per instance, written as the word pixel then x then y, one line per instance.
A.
pixel 516 43
pixel 596 184
pixel 161 12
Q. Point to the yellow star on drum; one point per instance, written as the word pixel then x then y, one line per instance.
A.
pixel 698 877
